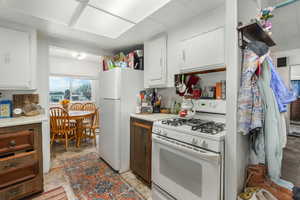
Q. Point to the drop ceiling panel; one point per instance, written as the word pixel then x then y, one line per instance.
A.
pixel 100 23
pixel 59 11
pixel 133 10
pixel 201 6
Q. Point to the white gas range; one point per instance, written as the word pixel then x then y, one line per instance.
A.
pixel 188 155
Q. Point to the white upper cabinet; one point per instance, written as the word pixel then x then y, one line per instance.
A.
pixel 203 52
pixel 17 59
pixel 155 55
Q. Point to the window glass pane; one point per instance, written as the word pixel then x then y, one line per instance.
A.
pixel 59 88
pixel 81 90
pixel 69 88
pixel 296 86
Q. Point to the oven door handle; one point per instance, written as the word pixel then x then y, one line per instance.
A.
pixel 199 153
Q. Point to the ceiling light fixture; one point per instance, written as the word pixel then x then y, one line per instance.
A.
pixel 79 56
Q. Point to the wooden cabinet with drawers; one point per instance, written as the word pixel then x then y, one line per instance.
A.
pixel 140 148
pixel 21 167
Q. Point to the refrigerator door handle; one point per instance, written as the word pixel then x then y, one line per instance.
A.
pixel 110 99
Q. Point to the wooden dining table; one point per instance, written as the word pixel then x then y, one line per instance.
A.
pixel 79 116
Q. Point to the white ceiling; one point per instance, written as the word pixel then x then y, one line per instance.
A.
pixel 173 13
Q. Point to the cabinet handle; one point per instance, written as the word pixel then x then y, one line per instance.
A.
pixel 10 165
pixel 142 125
pixel 15 191
pixel 12 143
pixel 183 55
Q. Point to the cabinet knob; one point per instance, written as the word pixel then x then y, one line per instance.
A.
pixel 12 143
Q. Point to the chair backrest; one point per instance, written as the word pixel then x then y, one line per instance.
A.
pixel 89 107
pixel 96 119
pixel 59 120
pixel 76 106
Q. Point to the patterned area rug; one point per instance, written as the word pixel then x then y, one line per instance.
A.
pixel 55 194
pixel 92 179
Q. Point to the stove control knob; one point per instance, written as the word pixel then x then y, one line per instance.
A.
pixel 194 141
pixel 204 144
pixel 158 131
pixel 164 133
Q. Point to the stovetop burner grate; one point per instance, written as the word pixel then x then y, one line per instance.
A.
pixel 203 126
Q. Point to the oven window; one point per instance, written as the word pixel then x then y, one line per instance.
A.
pixel 183 171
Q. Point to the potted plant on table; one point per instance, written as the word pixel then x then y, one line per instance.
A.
pixel 65 104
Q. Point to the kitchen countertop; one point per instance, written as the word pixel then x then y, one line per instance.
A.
pixel 6 122
pixel 153 117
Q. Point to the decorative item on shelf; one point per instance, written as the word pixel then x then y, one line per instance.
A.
pixel 187 107
pixel 208 92
pixel 17 112
pixel 65 104
pixel 264 17
pixel 165 110
pixel 32 109
pixel 133 60
pixel 20 99
pixel 5 109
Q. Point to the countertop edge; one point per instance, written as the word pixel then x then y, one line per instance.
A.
pixel 8 122
pixel 152 117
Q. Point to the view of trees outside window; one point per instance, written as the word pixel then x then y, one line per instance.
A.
pixel 69 88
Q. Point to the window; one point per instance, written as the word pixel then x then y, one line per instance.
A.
pixel 69 88
pixel 296 86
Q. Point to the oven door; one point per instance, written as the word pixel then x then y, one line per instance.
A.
pixel 185 172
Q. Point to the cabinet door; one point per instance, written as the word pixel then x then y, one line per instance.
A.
pixel 155 62
pixel 16 63
pixel 140 160
pixel 203 52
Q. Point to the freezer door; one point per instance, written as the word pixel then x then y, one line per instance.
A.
pixel 109 138
pixel 110 86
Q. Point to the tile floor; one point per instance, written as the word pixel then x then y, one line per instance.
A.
pixel 56 177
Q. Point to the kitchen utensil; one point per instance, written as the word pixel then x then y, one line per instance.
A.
pixel 193 80
pixel 182 86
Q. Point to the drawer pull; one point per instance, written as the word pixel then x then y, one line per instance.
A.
pixel 15 191
pixel 10 165
pixel 12 143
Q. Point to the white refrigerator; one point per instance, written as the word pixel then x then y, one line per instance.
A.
pixel 118 92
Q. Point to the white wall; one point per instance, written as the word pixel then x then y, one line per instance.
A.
pixel 292 71
pixel 237 147
pixel 42 90
pixel 202 23
pixel 293 56
pixel 73 67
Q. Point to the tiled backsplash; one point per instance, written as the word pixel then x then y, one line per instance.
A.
pixel 168 96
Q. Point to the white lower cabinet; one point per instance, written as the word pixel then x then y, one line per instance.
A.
pixel 17 59
pixel 203 52
pixel 155 55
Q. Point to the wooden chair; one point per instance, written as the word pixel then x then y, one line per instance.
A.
pixel 89 107
pixel 61 127
pixel 91 127
pixel 76 106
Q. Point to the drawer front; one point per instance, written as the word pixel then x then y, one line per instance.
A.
pixel 17 161
pixel 18 168
pixel 21 190
pixel 20 140
pixel 18 175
